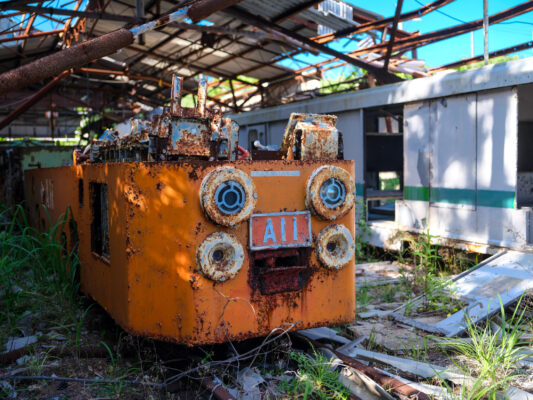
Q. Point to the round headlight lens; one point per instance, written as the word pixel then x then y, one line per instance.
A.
pixel 332 193
pixel 230 197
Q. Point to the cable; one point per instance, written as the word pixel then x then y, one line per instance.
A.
pixel 464 22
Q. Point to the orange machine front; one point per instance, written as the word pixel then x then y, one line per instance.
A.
pixel 162 258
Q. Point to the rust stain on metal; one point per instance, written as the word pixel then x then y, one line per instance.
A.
pixel 220 256
pixel 335 246
pixel 179 264
pixel 330 192
pixel 71 57
pixel 220 187
pixel 311 137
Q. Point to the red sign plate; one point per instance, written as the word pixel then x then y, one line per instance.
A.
pixel 276 230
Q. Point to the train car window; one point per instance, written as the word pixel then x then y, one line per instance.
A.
pixel 100 219
pixel 80 192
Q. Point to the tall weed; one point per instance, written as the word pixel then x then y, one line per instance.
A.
pixel 37 273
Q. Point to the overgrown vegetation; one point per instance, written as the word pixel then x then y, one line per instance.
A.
pixel 490 354
pixel 38 277
pixel 315 379
pixel 427 279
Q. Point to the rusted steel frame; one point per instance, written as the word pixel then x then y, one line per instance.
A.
pixel 233 95
pixel 217 389
pixel 69 21
pixel 497 53
pixel 294 10
pixel 2 16
pixel 7 5
pixel 250 96
pixel 207 71
pixel 143 78
pixel 451 31
pixel 235 87
pixel 203 9
pixel 71 57
pixel 59 21
pixel 384 76
pixel 85 52
pixel 225 31
pixel 276 20
pixel 34 99
pixel 29 25
pixel 81 14
pixel 382 23
pixel 389 383
pixel 393 33
pixel 31 35
pixel 232 57
pixel 96 21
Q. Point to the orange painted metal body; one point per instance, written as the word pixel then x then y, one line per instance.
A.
pixel 150 283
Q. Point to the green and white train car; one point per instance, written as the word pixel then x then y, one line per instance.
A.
pixel 451 154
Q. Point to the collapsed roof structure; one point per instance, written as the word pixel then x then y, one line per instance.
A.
pixel 242 46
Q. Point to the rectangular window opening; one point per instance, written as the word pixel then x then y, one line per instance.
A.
pixel 100 219
pixel 80 192
pixel 383 161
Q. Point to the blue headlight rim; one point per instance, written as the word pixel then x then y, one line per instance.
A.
pixel 339 200
pixel 221 193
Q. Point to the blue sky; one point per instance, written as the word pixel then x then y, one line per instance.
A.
pixel 513 31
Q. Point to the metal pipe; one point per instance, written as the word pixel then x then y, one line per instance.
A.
pixel 486 31
pixel 84 53
pixel 175 94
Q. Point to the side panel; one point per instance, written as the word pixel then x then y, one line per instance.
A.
pixel 170 299
pixel 413 211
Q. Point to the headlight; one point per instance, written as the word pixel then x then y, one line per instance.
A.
pixel 227 196
pixel 334 246
pixel 220 256
pixel 230 197
pixel 330 192
pixel 333 193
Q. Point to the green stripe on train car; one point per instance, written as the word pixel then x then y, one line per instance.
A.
pixel 485 198
pixel 420 193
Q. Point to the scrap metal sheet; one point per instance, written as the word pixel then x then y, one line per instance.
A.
pixel 505 276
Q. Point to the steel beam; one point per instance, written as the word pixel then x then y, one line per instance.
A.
pixel 383 76
pixel 382 23
pixel 393 33
pixel 34 99
pixel 81 14
pixel 422 40
pixel 101 46
pixel 497 53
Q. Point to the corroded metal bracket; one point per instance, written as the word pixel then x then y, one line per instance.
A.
pixel 312 137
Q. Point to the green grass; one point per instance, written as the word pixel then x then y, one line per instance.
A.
pixel 315 379
pixel 490 356
pixel 38 276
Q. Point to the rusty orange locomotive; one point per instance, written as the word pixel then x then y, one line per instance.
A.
pixel 180 240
